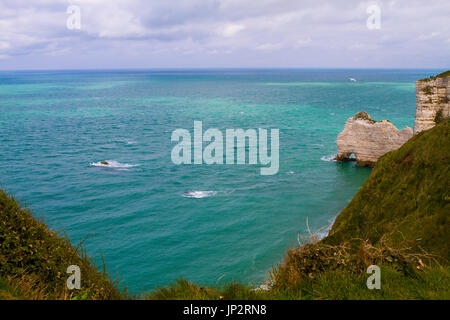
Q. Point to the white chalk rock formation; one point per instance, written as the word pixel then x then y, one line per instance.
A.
pixel 368 140
pixel 432 101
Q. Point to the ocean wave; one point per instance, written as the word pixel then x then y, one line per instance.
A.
pixel 322 234
pixel 329 158
pixel 199 194
pixel 125 141
pixel 113 164
pixel 129 141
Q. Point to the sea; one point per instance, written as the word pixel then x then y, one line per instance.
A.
pixel 153 221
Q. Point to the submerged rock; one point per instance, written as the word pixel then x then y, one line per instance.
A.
pixel 368 139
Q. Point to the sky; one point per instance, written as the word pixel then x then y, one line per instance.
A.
pixel 109 34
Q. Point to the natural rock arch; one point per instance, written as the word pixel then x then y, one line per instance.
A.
pixel 368 139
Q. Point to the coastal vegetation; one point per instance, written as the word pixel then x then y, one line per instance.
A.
pixel 398 221
pixel 319 271
pixel 363 116
pixel 439 76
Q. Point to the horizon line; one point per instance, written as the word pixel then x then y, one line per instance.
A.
pixel 220 68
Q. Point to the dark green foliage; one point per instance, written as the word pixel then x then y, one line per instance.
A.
pixel 182 289
pixel 427 90
pixel 439 117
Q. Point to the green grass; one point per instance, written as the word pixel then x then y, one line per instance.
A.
pixel 320 271
pixel 7 292
pixel 406 200
pixel 34 260
pixel 442 75
pixel 432 284
pixel 338 284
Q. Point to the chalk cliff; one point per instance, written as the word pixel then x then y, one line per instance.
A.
pixel 432 101
pixel 368 140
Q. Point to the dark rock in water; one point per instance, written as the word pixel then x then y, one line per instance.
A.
pixel 104 162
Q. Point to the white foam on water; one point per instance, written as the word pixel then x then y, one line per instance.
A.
pixel 126 141
pixel 323 233
pixel 113 164
pixel 199 194
pixel 329 158
pixel 130 142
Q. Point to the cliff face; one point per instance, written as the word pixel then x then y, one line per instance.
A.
pixel 432 101
pixel 368 139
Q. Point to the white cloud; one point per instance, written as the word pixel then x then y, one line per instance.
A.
pixel 230 30
pixel 429 36
pixel 302 42
pixel 269 46
pixel 134 29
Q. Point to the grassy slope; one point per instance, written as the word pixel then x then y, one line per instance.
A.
pixel 34 260
pixel 405 198
pixel 327 276
pixel 441 75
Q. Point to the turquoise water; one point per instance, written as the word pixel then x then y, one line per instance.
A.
pixel 56 126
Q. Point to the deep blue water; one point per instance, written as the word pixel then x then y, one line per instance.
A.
pixel 54 125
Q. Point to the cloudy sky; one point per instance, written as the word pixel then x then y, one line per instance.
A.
pixel 224 33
